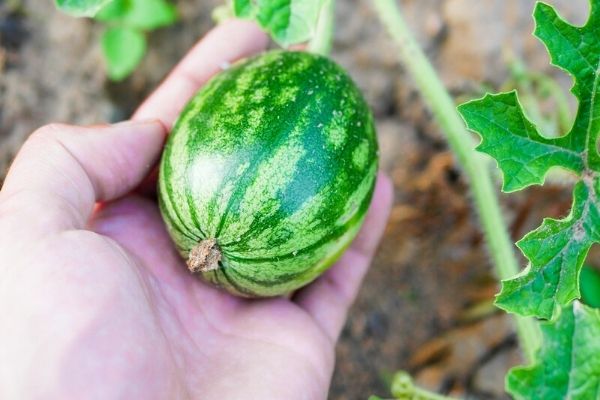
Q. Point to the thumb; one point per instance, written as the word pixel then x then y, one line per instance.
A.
pixel 63 170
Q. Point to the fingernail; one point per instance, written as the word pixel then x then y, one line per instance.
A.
pixel 152 125
pixel 138 122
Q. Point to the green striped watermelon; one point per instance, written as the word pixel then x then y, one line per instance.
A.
pixel 268 173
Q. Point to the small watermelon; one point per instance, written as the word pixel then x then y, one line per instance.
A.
pixel 268 173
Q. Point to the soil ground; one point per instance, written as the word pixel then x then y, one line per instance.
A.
pixel 426 304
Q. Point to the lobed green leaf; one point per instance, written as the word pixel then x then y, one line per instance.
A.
pixel 557 249
pixel 577 51
pixel 287 21
pixel 123 49
pixel 523 155
pixel 244 8
pixel 567 365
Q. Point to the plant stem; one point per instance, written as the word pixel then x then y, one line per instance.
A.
pixel 322 41
pixel 462 144
pixel 403 387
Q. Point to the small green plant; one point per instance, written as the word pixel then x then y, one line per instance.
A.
pixel 123 40
pixel 124 44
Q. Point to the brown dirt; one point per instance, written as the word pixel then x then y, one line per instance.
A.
pixel 425 306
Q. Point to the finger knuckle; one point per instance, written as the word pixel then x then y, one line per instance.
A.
pixel 50 131
pixel 54 135
pixel 49 139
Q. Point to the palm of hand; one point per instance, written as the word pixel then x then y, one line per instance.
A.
pixel 186 338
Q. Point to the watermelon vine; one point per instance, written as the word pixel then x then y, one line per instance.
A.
pixel 567 365
pixel 557 249
pixel 461 143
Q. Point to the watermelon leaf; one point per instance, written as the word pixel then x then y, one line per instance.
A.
pixel 523 155
pixel 123 49
pixel 81 8
pixel 557 249
pixel 114 10
pixel 567 365
pixel 244 8
pixel 139 14
pixel 287 21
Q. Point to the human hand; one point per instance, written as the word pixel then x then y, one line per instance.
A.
pixel 96 304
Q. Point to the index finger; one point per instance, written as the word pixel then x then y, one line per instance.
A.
pixel 225 44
